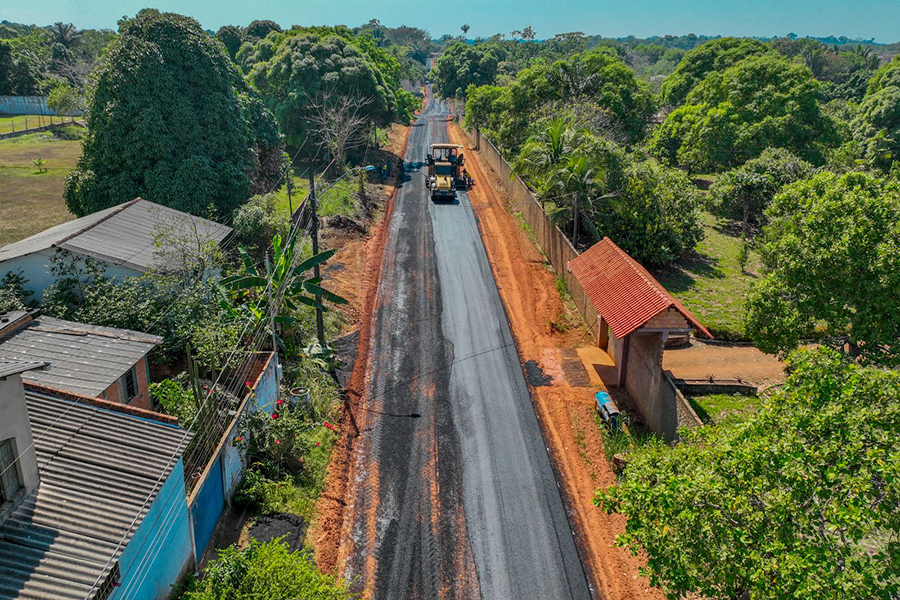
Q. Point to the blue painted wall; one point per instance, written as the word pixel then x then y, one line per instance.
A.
pixel 160 550
pixel 224 477
pixel 207 508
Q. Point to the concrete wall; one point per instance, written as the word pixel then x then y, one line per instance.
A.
pixel 663 407
pixel 36 267
pixel 142 400
pixel 14 424
pixel 160 551
pixel 225 469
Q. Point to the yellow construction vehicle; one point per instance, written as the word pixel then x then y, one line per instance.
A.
pixel 446 171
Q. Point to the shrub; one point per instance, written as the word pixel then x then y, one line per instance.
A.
pixel 269 571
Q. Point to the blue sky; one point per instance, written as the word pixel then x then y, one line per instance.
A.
pixel 879 19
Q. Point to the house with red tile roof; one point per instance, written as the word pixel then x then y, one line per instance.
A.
pixel 636 317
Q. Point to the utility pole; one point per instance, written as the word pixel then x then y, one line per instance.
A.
pixel 314 232
pixel 290 184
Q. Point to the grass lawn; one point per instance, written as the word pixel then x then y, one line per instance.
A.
pixel 716 408
pixel 20 122
pixel 337 200
pixel 710 283
pixel 33 201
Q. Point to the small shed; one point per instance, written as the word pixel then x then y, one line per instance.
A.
pixel 637 315
pixel 123 238
pixel 103 362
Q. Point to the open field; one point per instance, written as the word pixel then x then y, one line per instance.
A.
pixel 9 124
pixel 710 282
pixel 33 201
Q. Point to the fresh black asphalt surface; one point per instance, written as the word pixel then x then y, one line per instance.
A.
pixel 456 497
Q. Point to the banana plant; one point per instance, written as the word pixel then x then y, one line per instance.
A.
pixel 291 286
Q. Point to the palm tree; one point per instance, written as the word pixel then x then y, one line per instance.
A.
pixel 543 152
pixel 64 33
pixel 583 180
pixel 465 30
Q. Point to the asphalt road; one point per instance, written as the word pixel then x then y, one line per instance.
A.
pixel 455 496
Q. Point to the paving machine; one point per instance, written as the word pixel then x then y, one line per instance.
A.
pixel 446 171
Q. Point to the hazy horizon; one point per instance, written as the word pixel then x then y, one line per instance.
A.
pixel 872 19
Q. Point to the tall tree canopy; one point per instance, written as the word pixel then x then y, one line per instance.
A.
pixel 172 121
pixel 597 84
pixel 745 192
pixel 831 252
pixel 733 115
pixel 877 125
pixel 295 69
pixel 462 65
pixel 798 500
pixel 715 55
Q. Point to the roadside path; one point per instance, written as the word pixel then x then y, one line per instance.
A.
pixel 452 492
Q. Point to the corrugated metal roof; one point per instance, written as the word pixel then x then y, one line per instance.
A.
pixel 97 467
pixel 14 367
pixel 48 237
pixel 123 235
pixel 85 359
pixel 622 291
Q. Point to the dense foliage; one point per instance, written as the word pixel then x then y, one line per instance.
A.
pixel 172 121
pixel 33 60
pixel 877 125
pixel 271 571
pixel 798 500
pixel 713 56
pixel 832 256
pixel 735 114
pixel 183 309
pixel 651 211
pixel 745 192
pixel 298 70
pixel 604 92
pixel 463 65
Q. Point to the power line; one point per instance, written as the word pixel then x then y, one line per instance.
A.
pixel 175 454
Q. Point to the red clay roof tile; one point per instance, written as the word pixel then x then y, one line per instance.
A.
pixel 623 292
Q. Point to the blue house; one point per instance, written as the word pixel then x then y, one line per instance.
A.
pixel 108 517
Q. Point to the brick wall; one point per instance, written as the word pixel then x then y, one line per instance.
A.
pixel 142 400
pixel 668 319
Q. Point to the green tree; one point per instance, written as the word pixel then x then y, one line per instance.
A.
pixel 831 251
pixel 271 571
pixel 745 192
pixel 877 125
pixel 64 34
pixel 797 500
pixel 654 216
pixel 715 55
pixel 290 285
pixel 259 29
pixel 462 65
pixel 733 115
pixel 65 99
pixel 172 121
pixel 298 69
pixel 231 37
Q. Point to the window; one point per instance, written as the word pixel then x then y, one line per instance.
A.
pixel 10 480
pixel 129 385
